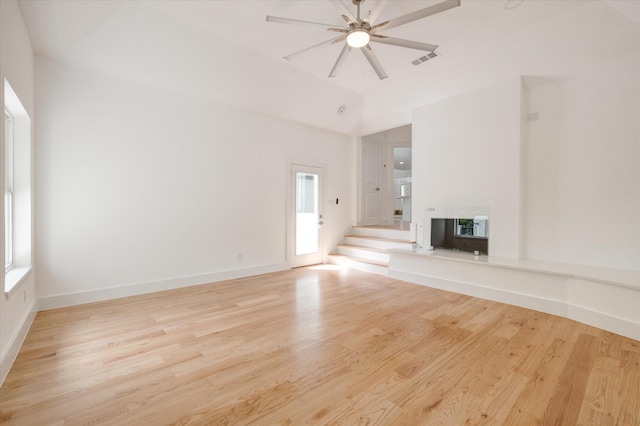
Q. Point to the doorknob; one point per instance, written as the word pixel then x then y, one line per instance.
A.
pixel 377 189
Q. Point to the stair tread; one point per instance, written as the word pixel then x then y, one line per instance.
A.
pixel 390 228
pixel 361 260
pixel 381 229
pixel 377 250
pixel 391 240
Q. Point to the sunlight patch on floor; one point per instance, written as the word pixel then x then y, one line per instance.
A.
pixel 329 267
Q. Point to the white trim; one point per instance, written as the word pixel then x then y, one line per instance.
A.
pixel 616 277
pixel 581 314
pixel 13 277
pixel 610 306
pixel 8 192
pixel 20 187
pixel 8 147
pixel 71 299
pixel 524 300
pixel 15 342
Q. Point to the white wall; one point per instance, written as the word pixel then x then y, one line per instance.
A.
pixel 149 43
pixel 17 66
pixel 466 152
pixel 577 36
pixel 573 174
pixel 579 167
pixel 582 167
pixel 138 184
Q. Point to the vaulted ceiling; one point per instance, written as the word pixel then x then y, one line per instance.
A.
pixel 480 42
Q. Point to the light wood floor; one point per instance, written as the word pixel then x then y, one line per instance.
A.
pixel 318 346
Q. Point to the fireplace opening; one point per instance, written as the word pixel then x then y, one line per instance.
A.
pixel 470 234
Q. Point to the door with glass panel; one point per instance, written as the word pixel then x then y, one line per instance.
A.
pixel 307 215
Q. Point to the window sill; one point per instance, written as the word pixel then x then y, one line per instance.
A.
pixel 14 277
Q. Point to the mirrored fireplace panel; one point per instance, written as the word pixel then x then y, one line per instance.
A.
pixel 459 228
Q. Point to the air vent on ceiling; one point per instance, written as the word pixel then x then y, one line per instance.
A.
pixel 429 56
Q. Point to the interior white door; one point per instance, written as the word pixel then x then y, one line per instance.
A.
pixel 308 219
pixel 370 183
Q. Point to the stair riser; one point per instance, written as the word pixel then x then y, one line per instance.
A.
pixel 363 253
pixel 367 267
pixel 392 234
pixel 378 244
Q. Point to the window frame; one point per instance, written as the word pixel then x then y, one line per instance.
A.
pixel 18 191
pixel 8 190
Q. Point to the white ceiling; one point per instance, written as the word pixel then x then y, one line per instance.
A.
pixel 83 31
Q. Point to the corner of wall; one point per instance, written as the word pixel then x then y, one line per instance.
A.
pixel 17 66
pixel 12 347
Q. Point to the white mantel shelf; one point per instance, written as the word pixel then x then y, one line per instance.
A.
pixel 605 298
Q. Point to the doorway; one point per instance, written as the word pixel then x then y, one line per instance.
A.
pixel 385 178
pixel 307 188
pixel 402 183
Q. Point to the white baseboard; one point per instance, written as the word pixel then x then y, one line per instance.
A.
pixel 604 321
pixel 565 309
pixel 15 343
pixel 497 295
pixel 71 299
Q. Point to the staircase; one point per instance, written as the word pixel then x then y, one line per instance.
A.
pixel 366 248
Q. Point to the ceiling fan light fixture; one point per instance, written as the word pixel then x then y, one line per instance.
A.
pixel 358 37
pixel 362 32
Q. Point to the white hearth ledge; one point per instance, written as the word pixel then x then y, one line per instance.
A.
pixel 602 297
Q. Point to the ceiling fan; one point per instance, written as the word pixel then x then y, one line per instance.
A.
pixel 360 32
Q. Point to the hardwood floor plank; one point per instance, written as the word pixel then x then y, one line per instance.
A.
pixel 565 404
pixel 327 347
pixel 599 401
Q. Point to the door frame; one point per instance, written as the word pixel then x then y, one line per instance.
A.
pixel 389 204
pixel 292 261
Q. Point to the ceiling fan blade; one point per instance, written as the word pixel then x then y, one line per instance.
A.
pixel 375 12
pixel 403 43
pixel 419 14
pixel 366 18
pixel 333 40
pixel 339 39
pixel 295 21
pixel 343 55
pixel 344 11
pixel 373 60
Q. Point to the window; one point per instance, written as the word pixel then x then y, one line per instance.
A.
pixel 307 213
pixel 307 194
pixel 18 190
pixel 8 192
